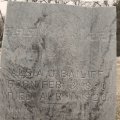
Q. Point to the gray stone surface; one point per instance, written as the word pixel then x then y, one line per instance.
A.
pixel 58 63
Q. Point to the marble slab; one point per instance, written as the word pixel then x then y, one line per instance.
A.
pixel 58 63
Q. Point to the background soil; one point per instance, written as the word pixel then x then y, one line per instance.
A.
pixel 118 89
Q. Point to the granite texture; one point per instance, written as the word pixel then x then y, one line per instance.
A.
pixel 58 63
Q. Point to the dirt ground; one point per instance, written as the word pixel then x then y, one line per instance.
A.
pixel 118 89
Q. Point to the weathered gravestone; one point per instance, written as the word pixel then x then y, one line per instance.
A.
pixel 58 63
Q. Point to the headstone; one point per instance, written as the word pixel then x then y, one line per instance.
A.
pixel 58 63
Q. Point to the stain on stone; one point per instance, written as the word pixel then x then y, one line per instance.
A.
pixel 35 47
pixel 63 107
pixel 45 15
pixel 43 42
pixel 70 110
pixel 40 19
pixel 94 23
pixel 96 108
pixel 29 107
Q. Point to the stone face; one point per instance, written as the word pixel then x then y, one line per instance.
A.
pixel 58 63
